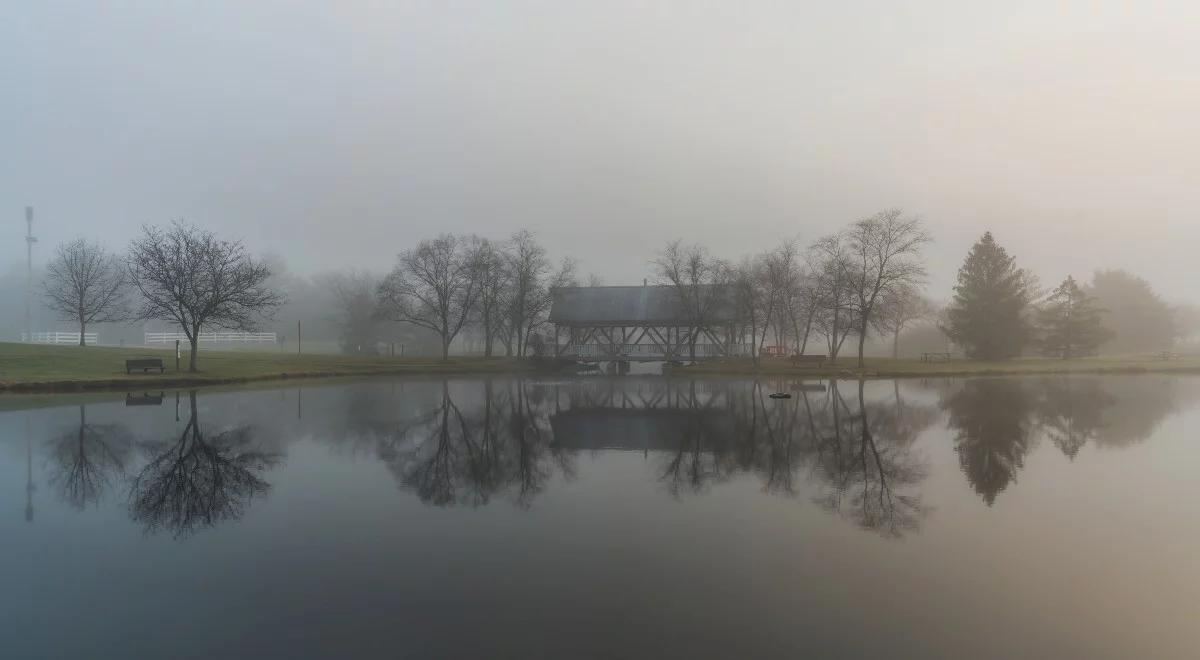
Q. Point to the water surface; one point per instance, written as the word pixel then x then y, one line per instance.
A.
pixel 606 517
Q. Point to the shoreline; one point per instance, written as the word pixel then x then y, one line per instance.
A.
pixel 32 369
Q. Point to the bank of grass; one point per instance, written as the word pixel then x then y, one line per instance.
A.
pixel 32 368
pixel 902 368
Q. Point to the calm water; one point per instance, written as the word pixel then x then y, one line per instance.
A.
pixel 633 517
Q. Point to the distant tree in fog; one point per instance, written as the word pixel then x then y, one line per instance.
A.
pixel 436 286
pixel 187 276
pixel 884 256
pixel 989 314
pixel 85 284
pixel 1139 318
pixel 1185 321
pixel 900 308
pixel 356 311
pixel 1069 323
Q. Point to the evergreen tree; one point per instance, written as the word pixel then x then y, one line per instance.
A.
pixel 1070 324
pixel 988 316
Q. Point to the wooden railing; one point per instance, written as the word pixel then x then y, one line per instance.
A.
pixel 651 351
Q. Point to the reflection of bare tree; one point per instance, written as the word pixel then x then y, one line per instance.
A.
pixel 992 421
pixel 86 460
pixel 196 481
pixel 451 456
pixel 700 453
pixel 870 467
pixel 1071 411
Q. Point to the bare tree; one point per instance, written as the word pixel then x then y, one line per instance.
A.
pixel 494 283
pixel 531 277
pixel 701 283
pixel 752 299
pixel 435 286
pixel 85 284
pixel 829 263
pixel 186 275
pixel 885 252
pixel 899 308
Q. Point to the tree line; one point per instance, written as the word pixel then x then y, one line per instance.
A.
pixel 866 280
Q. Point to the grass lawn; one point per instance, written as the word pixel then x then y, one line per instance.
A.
pixel 912 368
pixel 32 366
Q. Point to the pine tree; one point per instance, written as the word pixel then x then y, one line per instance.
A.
pixel 988 316
pixel 1070 324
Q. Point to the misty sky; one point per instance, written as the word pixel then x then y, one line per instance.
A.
pixel 337 134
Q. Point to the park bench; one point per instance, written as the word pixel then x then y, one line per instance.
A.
pixel 808 360
pixel 1167 355
pixel 935 356
pixel 145 364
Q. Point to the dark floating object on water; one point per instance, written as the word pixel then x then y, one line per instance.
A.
pixel 780 395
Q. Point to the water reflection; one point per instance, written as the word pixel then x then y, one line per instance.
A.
pixel 88 460
pixel 198 478
pixel 993 431
pixel 850 455
pixel 851 448
pixel 453 453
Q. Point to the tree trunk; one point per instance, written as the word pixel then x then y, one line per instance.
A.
pixel 862 342
pixel 194 342
pixel 445 349
pixel 896 343
pixel 82 330
pixel 753 339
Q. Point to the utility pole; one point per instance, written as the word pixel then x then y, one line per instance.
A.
pixel 29 241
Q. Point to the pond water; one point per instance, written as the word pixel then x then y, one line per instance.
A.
pixel 606 517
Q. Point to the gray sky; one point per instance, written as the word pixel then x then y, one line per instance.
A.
pixel 339 133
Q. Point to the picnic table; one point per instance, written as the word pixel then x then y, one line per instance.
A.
pixel 934 356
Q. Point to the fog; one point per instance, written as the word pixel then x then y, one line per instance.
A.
pixel 335 136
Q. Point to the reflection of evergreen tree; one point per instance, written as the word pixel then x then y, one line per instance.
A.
pixel 196 481
pixel 1071 411
pixel 87 459
pixel 991 420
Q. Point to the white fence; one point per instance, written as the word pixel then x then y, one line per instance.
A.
pixel 59 338
pixel 152 338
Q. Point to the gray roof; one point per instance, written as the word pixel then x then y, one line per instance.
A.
pixel 618 305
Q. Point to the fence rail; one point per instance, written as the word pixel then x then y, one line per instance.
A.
pixel 212 338
pixel 59 338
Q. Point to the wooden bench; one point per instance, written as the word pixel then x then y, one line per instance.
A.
pixel 145 364
pixel 935 356
pixel 809 360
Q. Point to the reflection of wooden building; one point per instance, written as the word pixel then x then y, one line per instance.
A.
pixel 638 324
pixel 639 429
pixel 643 414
